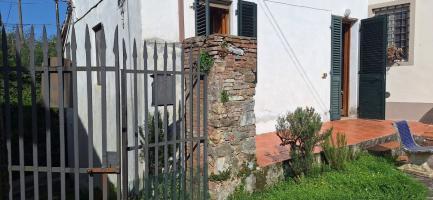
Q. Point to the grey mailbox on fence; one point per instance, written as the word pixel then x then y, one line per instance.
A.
pixel 163 93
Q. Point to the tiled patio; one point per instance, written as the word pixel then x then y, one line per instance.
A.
pixel 269 151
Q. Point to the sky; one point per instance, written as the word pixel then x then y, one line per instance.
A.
pixel 37 12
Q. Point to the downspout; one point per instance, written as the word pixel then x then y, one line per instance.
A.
pixel 180 4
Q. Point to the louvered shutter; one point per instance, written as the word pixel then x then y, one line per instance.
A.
pixel 373 61
pixel 247 19
pixel 200 18
pixel 336 57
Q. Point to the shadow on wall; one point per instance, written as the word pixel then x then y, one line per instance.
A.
pixel 427 118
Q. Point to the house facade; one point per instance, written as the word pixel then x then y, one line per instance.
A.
pixel 407 80
pixel 309 53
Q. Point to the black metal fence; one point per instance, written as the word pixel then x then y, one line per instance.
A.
pixel 61 149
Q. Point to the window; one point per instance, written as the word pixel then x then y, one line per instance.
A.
pixel 398 26
pixel 98 29
pixel 219 15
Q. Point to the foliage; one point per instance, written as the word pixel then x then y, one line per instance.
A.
pixel 336 152
pixel 222 176
pixel 155 138
pixel 206 62
pixel 25 62
pixel 224 96
pixel 368 177
pixel 300 130
pixel 394 55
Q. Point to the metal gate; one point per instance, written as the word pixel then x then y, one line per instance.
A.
pixel 127 131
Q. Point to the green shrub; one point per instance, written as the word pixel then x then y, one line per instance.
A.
pixel 222 176
pixel 206 62
pixel 224 96
pixel 368 177
pixel 337 153
pixel 300 130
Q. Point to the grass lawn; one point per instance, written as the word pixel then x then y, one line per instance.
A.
pixel 368 177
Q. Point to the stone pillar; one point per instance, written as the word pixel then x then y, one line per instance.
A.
pixel 231 124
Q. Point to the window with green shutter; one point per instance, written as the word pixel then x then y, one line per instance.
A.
pixel 336 58
pixel 247 18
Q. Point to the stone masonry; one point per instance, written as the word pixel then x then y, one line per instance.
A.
pixel 231 124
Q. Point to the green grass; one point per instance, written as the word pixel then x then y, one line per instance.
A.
pixel 368 177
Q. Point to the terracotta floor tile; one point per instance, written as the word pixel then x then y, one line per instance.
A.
pixel 269 151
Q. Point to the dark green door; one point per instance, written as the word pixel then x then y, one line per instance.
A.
pixel 373 60
pixel 336 57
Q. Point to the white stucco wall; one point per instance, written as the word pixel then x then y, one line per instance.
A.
pixel 294 51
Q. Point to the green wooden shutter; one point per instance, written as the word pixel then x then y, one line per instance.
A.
pixel 373 61
pixel 200 18
pixel 336 58
pixel 247 19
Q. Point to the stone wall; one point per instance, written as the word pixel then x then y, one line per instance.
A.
pixel 231 124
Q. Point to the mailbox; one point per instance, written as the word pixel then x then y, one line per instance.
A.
pixel 163 94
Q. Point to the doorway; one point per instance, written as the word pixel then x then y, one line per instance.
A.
pixel 345 69
pixel 219 20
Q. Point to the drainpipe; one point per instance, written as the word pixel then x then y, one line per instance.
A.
pixel 180 4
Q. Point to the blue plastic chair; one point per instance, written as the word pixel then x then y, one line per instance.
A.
pixel 406 139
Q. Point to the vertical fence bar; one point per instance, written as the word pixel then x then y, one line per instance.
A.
pixel 205 129
pixel 124 93
pixel 182 124
pixel 207 12
pixel 34 115
pixel 191 119
pixel 117 88
pixel 156 119
pixel 174 136
pixel 89 107
pixel 47 114
pixel 61 115
pixel 102 49
pixel 7 107
pixel 135 119
pixel 146 126
pixel 20 113
pixel 198 126
pixel 166 171
pixel 75 115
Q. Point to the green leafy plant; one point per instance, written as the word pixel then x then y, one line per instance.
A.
pixel 369 177
pixel 152 138
pixel 222 176
pixel 224 96
pixel 206 62
pixel 336 152
pixel 301 131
